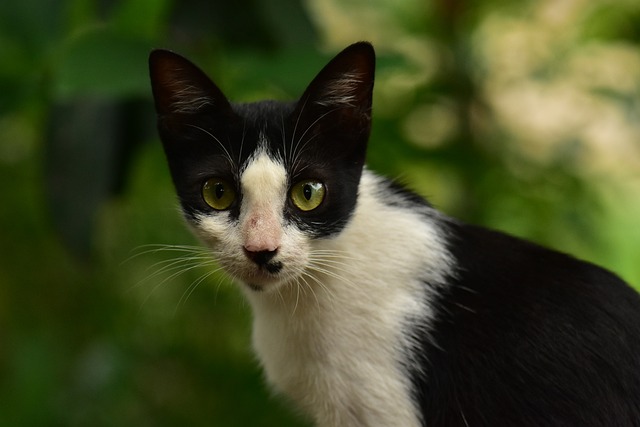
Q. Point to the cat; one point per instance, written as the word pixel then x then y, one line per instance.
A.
pixel 370 307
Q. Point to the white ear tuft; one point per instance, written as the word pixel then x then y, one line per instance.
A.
pixel 342 91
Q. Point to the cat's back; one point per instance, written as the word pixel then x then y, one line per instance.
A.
pixel 529 336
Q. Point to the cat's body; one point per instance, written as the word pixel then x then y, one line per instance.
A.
pixel 370 307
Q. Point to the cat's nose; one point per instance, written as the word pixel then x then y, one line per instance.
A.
pixel 260 257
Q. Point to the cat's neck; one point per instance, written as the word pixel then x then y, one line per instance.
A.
pixel 369 288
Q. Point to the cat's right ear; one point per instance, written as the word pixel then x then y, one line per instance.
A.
pixel 337 103
pixel 180 87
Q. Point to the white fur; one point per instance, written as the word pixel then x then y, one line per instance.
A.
pixel 188 98
pixel 341 91
pixel 331 328
pixel 264 190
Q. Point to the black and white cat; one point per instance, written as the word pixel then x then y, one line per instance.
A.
pixel 370 307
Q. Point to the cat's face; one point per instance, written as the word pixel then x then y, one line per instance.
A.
pixel 263 183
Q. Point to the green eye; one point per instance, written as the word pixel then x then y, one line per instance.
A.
pixel 218 194
pixel 307 195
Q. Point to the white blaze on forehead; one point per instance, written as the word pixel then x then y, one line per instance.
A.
pixel 263 187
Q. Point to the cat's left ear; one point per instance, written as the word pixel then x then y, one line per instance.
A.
pixel 180 87
pixel 340 96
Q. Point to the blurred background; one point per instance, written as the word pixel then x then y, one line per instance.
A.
pixel 523 116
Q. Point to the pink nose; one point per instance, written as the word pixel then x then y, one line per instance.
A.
pixel 262 233
pixel 260 243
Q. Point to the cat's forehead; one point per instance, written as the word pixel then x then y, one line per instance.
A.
pixel 264 127
pixel 264 114
pixel 264 177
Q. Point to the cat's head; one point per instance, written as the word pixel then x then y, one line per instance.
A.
pixel 262 183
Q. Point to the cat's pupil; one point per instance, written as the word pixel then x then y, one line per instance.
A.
pixel 306 192
pixel 219 190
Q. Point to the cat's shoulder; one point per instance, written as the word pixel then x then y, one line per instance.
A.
pixel 393 192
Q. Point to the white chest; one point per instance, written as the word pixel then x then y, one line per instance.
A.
pixel 341 363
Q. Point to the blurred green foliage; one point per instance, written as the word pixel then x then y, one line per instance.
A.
pixel 522 117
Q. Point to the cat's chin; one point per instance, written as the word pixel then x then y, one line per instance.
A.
pixel 266 286
pixel 261 281
pixel 254 287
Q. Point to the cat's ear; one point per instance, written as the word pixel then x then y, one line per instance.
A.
pixel 180 87
pixel 337 104
pixel 343 89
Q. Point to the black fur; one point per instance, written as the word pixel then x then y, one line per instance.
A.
pixel 526 336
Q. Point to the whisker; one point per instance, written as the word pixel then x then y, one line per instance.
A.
pixel 221 280
pixel 295 129
pixel 308 285
pixel 284 304
pixel 319 283
pixel 156 248
pixel 337 261
pixel 188 258
pixel 284 139
pixel 295 306
pixel 332 259
pixel 331 252
pixel 192 287
pixel 171 265
pixel 229 158
pixel 320 269
pixel 297 150
pixel 244 134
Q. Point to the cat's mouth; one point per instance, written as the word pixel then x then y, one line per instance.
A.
pixel 262 277
pixel 273 267
pixel 264 271
pixel 255 287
